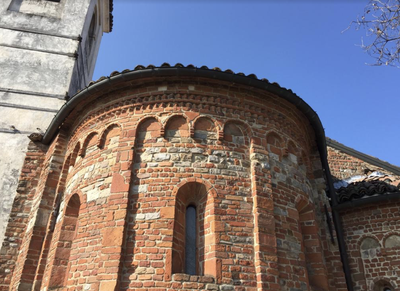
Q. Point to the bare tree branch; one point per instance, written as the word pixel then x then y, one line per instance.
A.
pixel 381 21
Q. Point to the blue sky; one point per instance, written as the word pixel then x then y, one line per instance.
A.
pixel 298 44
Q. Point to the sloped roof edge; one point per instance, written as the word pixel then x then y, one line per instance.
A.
pixel 366 158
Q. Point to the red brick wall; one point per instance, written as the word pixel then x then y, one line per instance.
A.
pixel 371 263
pixel 378 261
pixel 15 236
pixel 343 165
pixel 136 158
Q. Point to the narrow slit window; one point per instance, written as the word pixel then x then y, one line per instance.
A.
pixel 190 241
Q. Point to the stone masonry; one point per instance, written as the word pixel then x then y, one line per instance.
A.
pixel 103 200
pixel 48 50
pixel 115 182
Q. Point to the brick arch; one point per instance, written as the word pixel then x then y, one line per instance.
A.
pixel 388 236
pixel 67 164
pixel 248 128
pixel 365 236
pixel 303 205
pixel 244 130
pixel 144 118
pixel 207 184
pixel 86 142
pixel 74 154
pixel 196 126
pixel 102 140
pixel 366 254
pixel 154 128
pixel 178 123
pixel 82 196
pixel 70 161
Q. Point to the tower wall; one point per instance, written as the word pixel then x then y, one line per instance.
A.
pixel 48 50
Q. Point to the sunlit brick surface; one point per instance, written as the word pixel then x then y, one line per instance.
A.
pixel 136 156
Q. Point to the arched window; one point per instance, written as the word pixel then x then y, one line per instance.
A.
pixel 189 229
pixel 191 240
pixel 195 233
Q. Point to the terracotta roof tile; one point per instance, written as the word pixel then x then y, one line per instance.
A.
pixel 367 186
pixel 179 65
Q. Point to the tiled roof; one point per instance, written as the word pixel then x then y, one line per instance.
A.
pixel 190 66
pixel 367 186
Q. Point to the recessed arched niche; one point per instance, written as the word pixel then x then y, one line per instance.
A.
pixel 368 247
pixel 177 126
pixel 90 144
pixel 392 241
pixel 204 129
pixel 110 136
pixel 235 133
pixel 148 129
pixel 369 243
pixel 74 156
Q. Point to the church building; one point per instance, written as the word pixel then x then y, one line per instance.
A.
pixel 177 177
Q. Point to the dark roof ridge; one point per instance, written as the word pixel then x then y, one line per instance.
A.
pixel 366 158
pixel 364 190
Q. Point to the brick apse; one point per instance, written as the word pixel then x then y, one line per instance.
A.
pixel 184 178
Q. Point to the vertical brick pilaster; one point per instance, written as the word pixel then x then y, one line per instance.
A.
pixel 113 233
pixel 264 222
